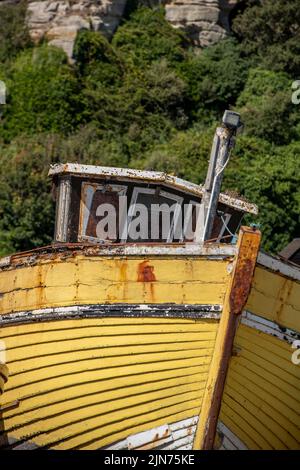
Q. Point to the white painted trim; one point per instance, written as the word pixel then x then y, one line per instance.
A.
pixel 269 327
pixel 278 266
pixel 209 251
pixel 230 441
pixel 179 435
pixel 127 174
pixel 146 437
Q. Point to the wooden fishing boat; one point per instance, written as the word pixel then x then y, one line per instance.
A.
pixel 118 343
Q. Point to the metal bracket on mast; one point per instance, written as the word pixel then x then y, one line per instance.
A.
pixel 224 140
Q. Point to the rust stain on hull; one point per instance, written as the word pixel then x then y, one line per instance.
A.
pixel 146 272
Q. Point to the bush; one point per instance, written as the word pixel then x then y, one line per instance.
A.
pixel 147 37
pixel 267 175
pixel 43 94
pixel 269 31
pixel 266 106
pixel 214 79
pixel 14 36
pixel 26 207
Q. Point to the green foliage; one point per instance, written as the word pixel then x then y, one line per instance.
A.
pixel 147 37
pixel 148 100
pixel 266 106
pixel 268 176
pixel 140 105
pixel 14 35
pixel 185 154
pixel 269 31
pixel 215 78
pixel 26 208
pixel 43 94
pixel 96 58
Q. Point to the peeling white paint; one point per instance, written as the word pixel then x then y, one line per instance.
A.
pixel 179 435
pixel 269 327
pixel 126 174
pixel 278 266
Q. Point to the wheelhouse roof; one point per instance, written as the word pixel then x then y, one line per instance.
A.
pixel 127 174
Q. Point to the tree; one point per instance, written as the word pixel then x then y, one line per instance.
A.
pixel 214 79
pixel 43 94
pixel 147 37
pixel 14 36
pixel 267 175
pixel 269 31
pixel 266 107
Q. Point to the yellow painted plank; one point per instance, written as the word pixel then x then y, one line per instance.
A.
pixel 83 421
pixel 280 400
pixel 92 441
pixel 262 392
pixel 264 437
pixel 202 328
pixel 148 423
pixel 262 370
pixel 282 368
pixel 101 404
pixel 103 342
pixel 276 298
pixel 241 427
pixel 268 416
pixel 99 374
pixel 60 396
pixel 267 403
pixel 274 347
pixel 238 431
pixel 51 361
pixel 91 364
pixel 82 323
pixel 83 280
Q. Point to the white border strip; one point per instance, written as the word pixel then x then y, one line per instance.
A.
pixel 269 327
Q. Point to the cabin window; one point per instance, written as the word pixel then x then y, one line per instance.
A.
pixel 154 216
pixel 99 212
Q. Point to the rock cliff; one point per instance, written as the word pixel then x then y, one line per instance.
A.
pixel 205 21
pixel 59 21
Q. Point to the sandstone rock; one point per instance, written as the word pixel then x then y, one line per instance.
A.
pixel 60 21
pixel 205 21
